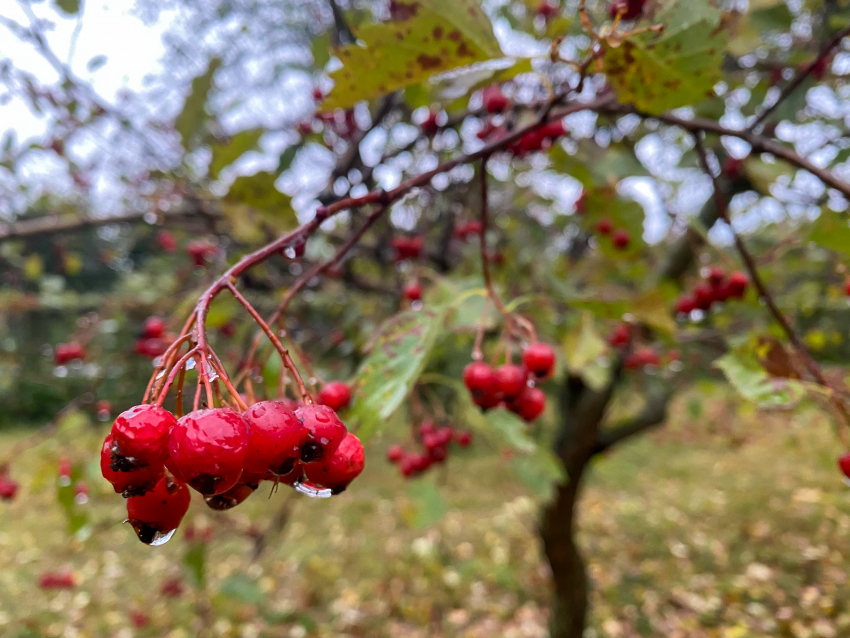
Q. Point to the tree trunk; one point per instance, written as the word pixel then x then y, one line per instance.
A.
pixel 569 606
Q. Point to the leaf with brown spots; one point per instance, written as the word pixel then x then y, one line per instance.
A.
pixel 397 358
pixel 441 35
pixel 677 67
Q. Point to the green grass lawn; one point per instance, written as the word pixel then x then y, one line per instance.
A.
pixel 726 526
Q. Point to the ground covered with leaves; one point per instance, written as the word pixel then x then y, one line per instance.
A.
pixel 728 523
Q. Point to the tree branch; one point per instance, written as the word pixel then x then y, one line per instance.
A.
pixel 653 414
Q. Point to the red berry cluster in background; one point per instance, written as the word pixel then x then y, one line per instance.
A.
pixel 152 458
pixel 407 247
pixel 435 448
pixel 493 100
pixel 621 336
pixel 412 291
pixel 508 386
pixel 8 486
pixel 64 353
pixel 336 395
pixel 716 288
pixel 641 357
pixel 154 341
pixel 166 241
pixel 620 237
pixel 57 580
pixel 430 125
pixel 539 139
pixel 465 230
pixel 847 287
pixel 630 9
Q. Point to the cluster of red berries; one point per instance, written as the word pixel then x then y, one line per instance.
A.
pixel 407 247
pixel 716 288
pixel 153 342
pixel 508 385
pixel 151 457
pixel 629 9
pixel 435 448
pixel 620 237
pixel 65 353
pixel 465 230
pixel 621 338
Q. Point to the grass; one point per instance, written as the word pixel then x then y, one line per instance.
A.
pixel 731 525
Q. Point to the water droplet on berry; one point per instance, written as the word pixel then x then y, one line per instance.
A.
pixel 321 417
pixel 258 411
pixel 313 492
pixel 161 539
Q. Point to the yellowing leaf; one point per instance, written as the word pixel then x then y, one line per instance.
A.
pixel 441 35
pixel 653 309
pixel 583 345
pixel 677 67
pixel 252 202
pixel 194 114
pixel 226 153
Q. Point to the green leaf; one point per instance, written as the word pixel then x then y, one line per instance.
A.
pixel 762 174
pixel 513 430
pixel 192 118
pixel 195 560
pixel 243 588
pixel 442 35
pixel 752 382
pixel 226 153
pixel 428 504
pixel 832 231
pixel 677 67
pixel 70 7
pixel 253 202
pixel 287 157
pixel 583 346
pixel 775 18
pixel 539 471
pixel 397 358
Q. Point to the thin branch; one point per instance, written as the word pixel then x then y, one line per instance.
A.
pixel 799 78
pixel 653 414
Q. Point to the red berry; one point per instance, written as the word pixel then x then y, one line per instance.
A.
pixel 139 619
pixel 317 94
pixel 305 127
pixel 604 226
pixel 703 296
pixel 343 466
pixel 738 283
pixel 277 435
pixel 232 497
pixel 430 126
pixel 57 580
pixel 464 438
pixel 153 328
pixel 480 379
pixel 621 337
pixel 166 241
pixel 631 8
pixel 67 352
pixel 64 469
pixel 207 449
pixel 844 463
pixel 131 483
pixel 156 514
pixel 494 100
pixel 412 291
pixel 8 488
pixel 539 359
pixel 171 588
pixel 200 251
pixel 621 239
pixel 641 358
pixel 847 287
pixel 716 276
pixel 395 454
pixel 552 130
pixel 581 202
pixel 530 404
pixel 686 304
pixel 407 247
pixel 720 292
pixel 141 437
pixel 325 429
pixel 547 10
pixel 151 348
pixel 336 395
pixel 733 168
pixel 510 380
pixel 820 67
pixel 426 428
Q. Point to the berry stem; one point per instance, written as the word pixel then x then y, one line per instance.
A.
pixel 171 375
pixel 167 357
pixel 222 374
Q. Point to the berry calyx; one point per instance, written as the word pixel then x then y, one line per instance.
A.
pixel 621 239
pixel 529 405
pixel 412 291
pixel 510 381
pixel 156 514
pixel 277 435
pixel 140 437
pixel 539 359
pixel 207 449
pixel 343 466
pixel 132 483
pixel 325 432
pixel 336 395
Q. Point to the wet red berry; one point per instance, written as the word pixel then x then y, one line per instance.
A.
pixel 232 497
pixel 511 380
pixel 738 283
pixel 480 379
pixel 539 359
pixel 153 328
pixel 325 429
pixel 336 395
pixel 156 514
pixel 207 449
pixel 408 247
pixel 131 483
pixel 716 276
pixel 67 352
pixel 703 296
pixel 276 439
pixel 412 291
pixel 343 466
pixel 141 436
pixel 640 358
pixel 621 239
pixel 151 348
pixel 395 454
pixel 530 404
